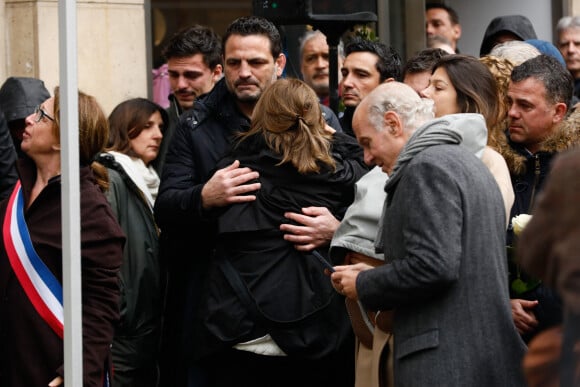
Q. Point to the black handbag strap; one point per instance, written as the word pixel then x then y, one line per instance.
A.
pixel 243 292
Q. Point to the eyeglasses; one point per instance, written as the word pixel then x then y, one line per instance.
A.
pixel 40 114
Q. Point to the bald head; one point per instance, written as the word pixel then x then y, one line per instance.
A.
pixel 385 120
pixel 399 98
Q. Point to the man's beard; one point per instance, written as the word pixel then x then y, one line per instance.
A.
pixel 248 99
pixel 321 89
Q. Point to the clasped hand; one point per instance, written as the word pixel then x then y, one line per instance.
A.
pixel 315 228
pixel 229 185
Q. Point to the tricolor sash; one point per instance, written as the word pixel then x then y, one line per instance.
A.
pixel 42 288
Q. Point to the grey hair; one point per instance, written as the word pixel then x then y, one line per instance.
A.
pixel 566 23
pixel 515 51
pixel 412 113
pixel 314 33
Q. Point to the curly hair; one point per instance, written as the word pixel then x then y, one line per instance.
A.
pixel 501 69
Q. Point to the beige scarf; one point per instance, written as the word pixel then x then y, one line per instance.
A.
pixel 144 177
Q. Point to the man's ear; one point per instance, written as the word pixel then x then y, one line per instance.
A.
pixel 560 110
pixel 457 29
pixel 217 73
pixel 393 123
pixel 280 63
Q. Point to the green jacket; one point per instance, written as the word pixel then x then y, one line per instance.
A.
pixel 136 341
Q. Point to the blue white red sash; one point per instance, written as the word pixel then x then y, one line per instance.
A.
pixel 40 285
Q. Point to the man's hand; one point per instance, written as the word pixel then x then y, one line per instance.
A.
pixel 228 186
pixel 523 315
pixel 344 279
pixel 58 381
pixel 331 130
pixel 317 226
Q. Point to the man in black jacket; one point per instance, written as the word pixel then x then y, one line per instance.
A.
pixel 539 94
pixel 194 65
pixel 192 190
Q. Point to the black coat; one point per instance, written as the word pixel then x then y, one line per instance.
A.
pixel 346 121
pixel 8 175
pixel 201 138
pixel 284 283
pixel 31 354
pixel 527 186
pixel 188 232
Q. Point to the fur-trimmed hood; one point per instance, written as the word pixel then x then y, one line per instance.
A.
pixel 564 137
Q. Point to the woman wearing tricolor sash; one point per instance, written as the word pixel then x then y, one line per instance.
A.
pixel 31 312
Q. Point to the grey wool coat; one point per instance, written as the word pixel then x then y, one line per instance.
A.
pixel 443 235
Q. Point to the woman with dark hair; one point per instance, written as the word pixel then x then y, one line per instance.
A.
pixel 31 313
pixel 462 84
pixel 136 131
pixel 269 315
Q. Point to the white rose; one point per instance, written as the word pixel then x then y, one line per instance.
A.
pixel 519 222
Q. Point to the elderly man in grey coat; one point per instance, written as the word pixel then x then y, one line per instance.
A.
pixel 443 237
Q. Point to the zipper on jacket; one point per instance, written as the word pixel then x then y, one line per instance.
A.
pixel 536 181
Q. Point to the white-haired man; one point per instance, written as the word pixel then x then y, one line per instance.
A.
pixel 442 234
pixel 568 35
